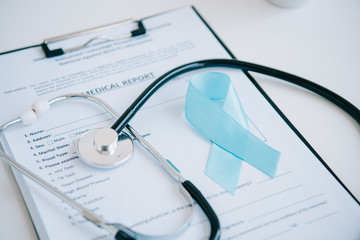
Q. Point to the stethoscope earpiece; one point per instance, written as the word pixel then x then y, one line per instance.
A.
pixel 104 148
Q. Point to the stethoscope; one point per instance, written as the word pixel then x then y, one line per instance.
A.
pixel 109 147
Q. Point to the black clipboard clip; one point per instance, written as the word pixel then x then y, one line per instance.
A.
pixel 59 51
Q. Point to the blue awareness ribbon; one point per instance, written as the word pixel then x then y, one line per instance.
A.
pixel 213 108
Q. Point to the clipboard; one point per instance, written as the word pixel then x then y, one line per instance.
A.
pixel 140 30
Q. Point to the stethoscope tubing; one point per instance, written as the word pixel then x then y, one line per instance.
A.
pixel 236 64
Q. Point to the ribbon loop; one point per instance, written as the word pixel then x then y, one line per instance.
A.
pixel 213 108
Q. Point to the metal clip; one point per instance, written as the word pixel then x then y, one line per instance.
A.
pixel 59 51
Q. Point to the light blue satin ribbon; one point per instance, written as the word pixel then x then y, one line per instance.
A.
pixel 214 109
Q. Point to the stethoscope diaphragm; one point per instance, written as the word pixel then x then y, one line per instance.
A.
pixel 104 148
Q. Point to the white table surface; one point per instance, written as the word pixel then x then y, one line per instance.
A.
pixel 319 41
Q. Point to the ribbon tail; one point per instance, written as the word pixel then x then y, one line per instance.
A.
pixel 223 168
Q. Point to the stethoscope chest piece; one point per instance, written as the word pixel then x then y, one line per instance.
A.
pixel 104 148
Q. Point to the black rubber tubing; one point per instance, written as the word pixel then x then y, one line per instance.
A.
pixel 232 63
pixel 207 209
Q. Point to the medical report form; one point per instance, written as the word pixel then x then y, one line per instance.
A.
pixel 303 201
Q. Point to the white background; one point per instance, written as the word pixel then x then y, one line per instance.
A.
pixel 319 41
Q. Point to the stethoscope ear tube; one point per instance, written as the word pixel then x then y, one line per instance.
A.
pixel 207 209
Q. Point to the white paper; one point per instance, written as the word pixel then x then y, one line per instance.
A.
pixel 304 201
